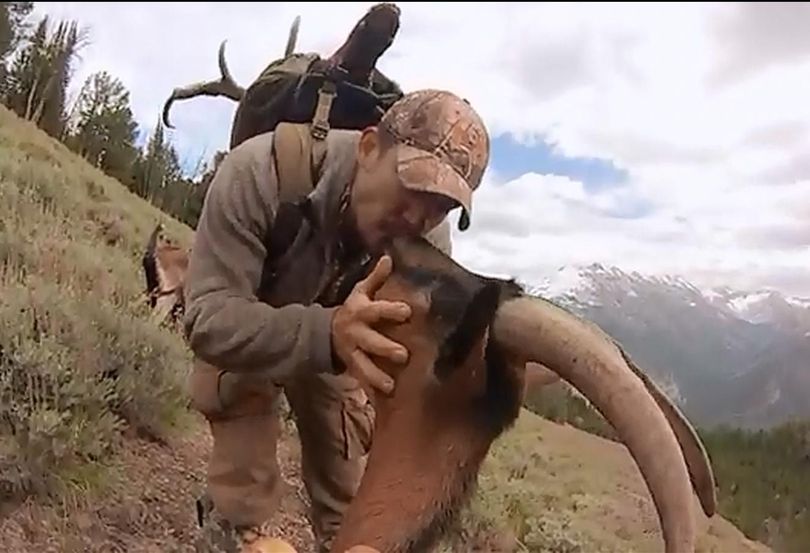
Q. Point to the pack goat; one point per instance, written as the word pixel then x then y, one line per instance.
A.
pixel 164 266
pixel 474 342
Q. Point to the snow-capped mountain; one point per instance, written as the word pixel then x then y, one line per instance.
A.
pixel 724 355
pixel 790 314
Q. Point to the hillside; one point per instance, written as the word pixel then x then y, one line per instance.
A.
pixel 727 356
pixel 98 452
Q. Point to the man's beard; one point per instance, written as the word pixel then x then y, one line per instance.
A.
pixel 353 244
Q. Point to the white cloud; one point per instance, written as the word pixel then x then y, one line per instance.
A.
pixel 705 106
pixel 713 243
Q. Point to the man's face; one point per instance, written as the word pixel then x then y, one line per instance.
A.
pixel 383 208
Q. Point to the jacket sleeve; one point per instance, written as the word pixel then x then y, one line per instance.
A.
pixel 225 323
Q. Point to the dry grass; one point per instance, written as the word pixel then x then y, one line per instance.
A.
pixel 553 488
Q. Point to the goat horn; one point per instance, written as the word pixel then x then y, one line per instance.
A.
pixel 697 460
pixel 224 86
pixel 695 455
pixel 293 38
pixel 586 357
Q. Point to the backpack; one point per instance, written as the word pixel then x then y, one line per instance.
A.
pixel 305 88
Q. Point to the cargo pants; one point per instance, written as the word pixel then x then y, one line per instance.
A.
pixel 334 421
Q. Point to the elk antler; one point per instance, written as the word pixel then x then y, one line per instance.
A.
pixel 293 38
pixel 225 86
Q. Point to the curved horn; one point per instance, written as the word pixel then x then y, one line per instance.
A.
pixel 695 455
pixel 293 38
pixel 224 86
pixel 234 91
pixel 582 354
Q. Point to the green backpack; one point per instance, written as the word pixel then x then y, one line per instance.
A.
pixel 301 88
pixel 300 99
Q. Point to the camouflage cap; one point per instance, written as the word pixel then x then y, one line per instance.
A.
pixel 443 145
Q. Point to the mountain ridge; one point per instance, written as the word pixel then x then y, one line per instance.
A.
pixel 727 356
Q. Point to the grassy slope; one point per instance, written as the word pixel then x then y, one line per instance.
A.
pixel 71 310
pixel 82 366
pixel 559 489
pixel 70 245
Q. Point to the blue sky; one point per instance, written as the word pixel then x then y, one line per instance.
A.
pixel 511 159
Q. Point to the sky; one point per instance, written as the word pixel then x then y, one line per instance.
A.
pixel 661 138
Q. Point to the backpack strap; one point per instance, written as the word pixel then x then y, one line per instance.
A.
pixel 298 158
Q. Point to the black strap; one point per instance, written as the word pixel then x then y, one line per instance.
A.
pixel 280 236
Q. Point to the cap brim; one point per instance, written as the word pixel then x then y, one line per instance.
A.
pixel 421 170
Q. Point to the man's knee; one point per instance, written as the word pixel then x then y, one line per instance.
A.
pixel 220 394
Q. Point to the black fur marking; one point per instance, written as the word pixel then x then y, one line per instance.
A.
pixel 500 405
pixel 150 266
pixel 449 300
pixel 473 323
pixel 150 271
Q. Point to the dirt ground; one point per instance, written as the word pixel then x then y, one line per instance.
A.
pixel 151 508
pixel 587 484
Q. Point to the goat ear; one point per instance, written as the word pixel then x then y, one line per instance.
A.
pixel 470 329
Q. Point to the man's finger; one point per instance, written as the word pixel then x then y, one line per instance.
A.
pixel 371 374
pixel 381 309
pixel 373 281
pixel 374 343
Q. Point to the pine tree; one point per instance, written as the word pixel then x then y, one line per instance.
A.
pixel 104 130
pixel 38 79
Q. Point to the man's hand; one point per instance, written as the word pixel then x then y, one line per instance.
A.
pixel 353 338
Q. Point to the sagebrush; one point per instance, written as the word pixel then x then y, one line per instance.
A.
pixel 80 360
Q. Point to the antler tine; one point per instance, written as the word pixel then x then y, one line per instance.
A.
pixel 224 86
pixel 293 38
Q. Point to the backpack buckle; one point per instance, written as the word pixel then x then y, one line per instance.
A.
pixel 320 122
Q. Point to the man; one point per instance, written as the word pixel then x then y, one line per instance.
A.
pixel 257 331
